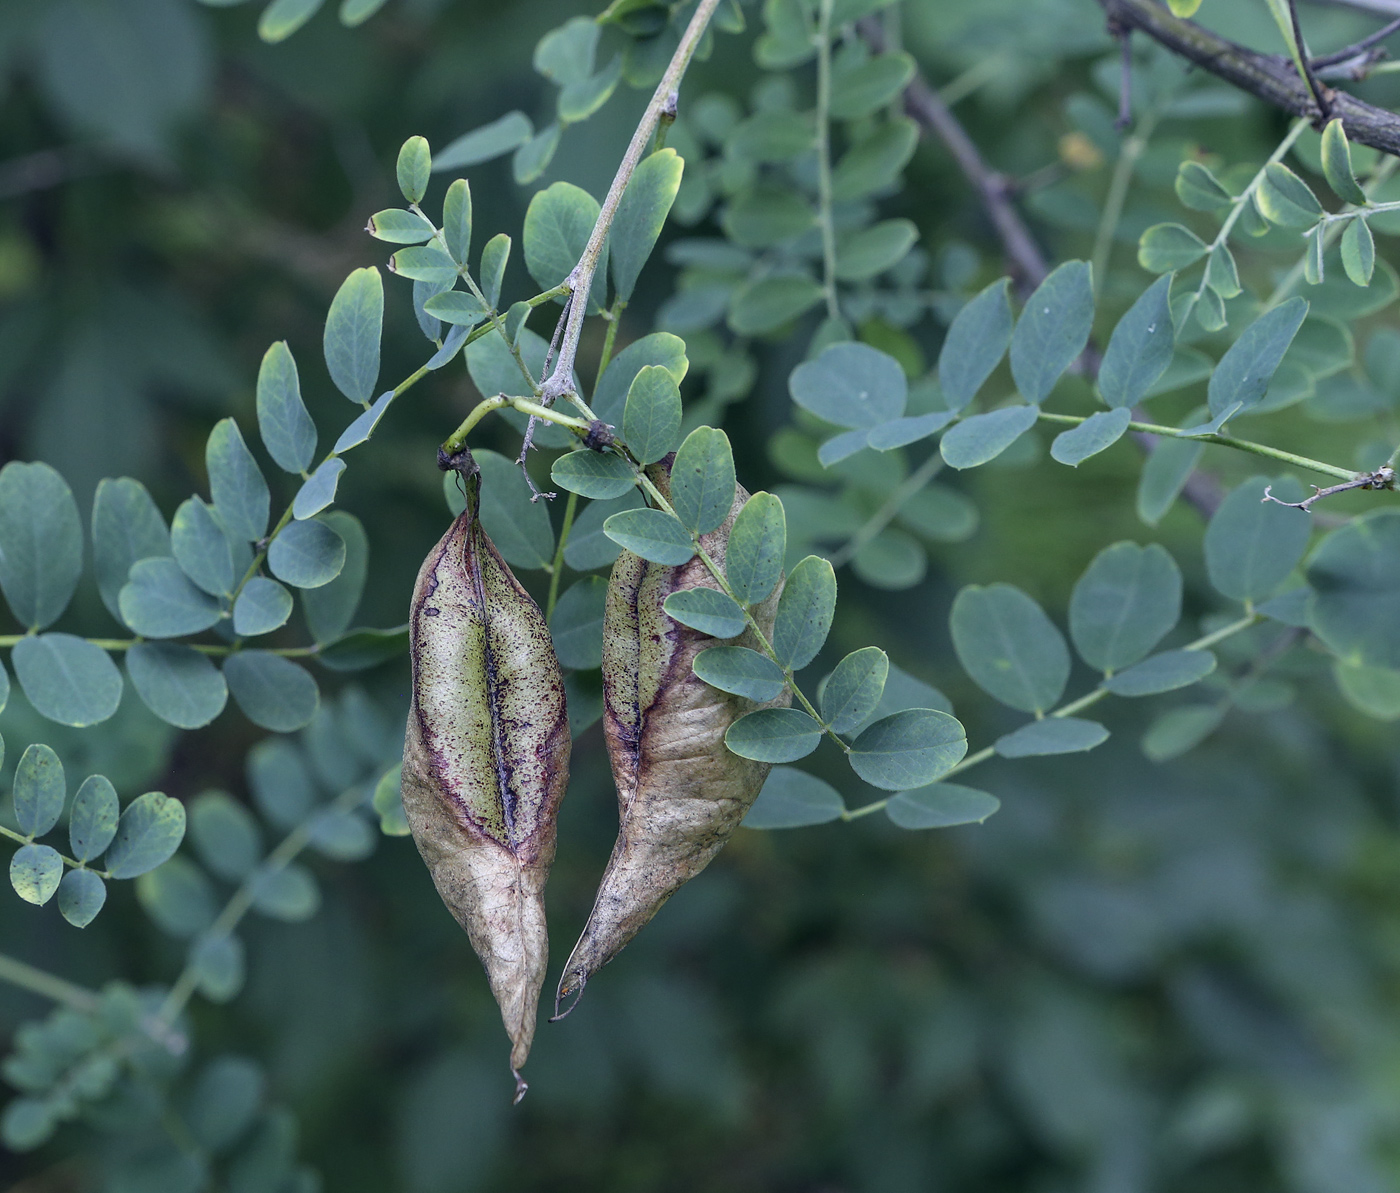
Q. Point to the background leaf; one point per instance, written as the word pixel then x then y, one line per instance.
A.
pixel 1009 647
pixel 41 543
pixel 1052 330
pixel 353 328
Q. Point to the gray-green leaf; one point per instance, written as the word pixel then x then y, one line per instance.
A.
pixel 1355 575
pixel 773 735
pixel 236 483
pixel 1163 672
pixel 201 547
pixel 1053 329
pixel 983 437
pixel 598 475
pixel 92 823
pixel 159 601
pixel 1244 372
pixel 1096 433
pixel 35 872
pixel 81 895
pixel 177 683
pixel 519 527
pixel 39 790
pixel 286 428
pixel 852 692
pixel 851 385
pixel 977 339
pixel 558 223
pixel 577 624
pixel 262 606
pixel 225 835
pixel 273 692
pixel 1126 602
pixel 306 554
pixel 792 798
pixel 1009 647
pixel 1140 348
pixel 149 832
pixel 702 480
pixel 651 419
pixel 804 612
pixel 126 527
pixel 753 561
pixel 1052 735
pixel 41 543
pixel 908 749
pixel 354 325
pixel 942 805
pixel 641 213
pixel 742 671
pixel 1252 545
pixel 67 679
pixel 331 608
pixel 707 610
pixel 653 534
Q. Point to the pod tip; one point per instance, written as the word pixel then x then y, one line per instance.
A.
pixel 565 990
pixel 521 1085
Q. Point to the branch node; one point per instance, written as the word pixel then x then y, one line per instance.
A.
pixel 1382 478
pixel 600 435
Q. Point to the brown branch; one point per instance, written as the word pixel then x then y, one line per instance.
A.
pixel 924 104
pixel 1269 77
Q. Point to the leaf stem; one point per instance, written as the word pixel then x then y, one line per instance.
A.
pixel 1128 154
pixel 1244 445
pixel 614 317
pixel 1332 229
pixel 47 985
pixel 723 581
pixel 570 508
pixel 824 202
pixel 580 281
pixel 882 517
pixel 1065 710
pixel 242 900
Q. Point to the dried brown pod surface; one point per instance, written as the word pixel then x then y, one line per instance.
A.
pixel 486 760
pixel 681 793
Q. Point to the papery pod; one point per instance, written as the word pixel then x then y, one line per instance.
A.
pixel 486 758
pixel 681 793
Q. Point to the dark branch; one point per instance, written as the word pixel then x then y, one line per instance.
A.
pixel 1271 78
pixel 1360 47
pixel 924 104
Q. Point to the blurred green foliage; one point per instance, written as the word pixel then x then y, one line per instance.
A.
pixel 1134 977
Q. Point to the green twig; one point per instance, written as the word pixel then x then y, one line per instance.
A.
pixel 47 985
pixel 883 516
pixel 570 508
pixel 824 200
pixel 242 900
pixel 1244 445
pixel 1066 710
pixel 1128 154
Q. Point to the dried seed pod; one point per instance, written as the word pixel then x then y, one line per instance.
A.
pixel 681 793
pixel 486 759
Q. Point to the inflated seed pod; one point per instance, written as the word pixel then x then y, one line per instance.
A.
pixel 486 758
pixel 681 793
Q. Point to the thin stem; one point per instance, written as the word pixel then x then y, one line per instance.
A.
pixel 1128 155
pixel 457 440
pixel 1237 208
pixel 1244 445
pixel 67 861
pixel 1332 231
pixel 216 651
pixel 824 202
pixel 242 900
pixel 1089 698
pixel 570 508
pixel 887 512
pixel 1356 48
pixel 614 318
pixel 47 985
pixel 581 280
pixel 723 581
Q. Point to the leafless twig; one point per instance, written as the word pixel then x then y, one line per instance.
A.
pixel 1359 47
pixel 1382 478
